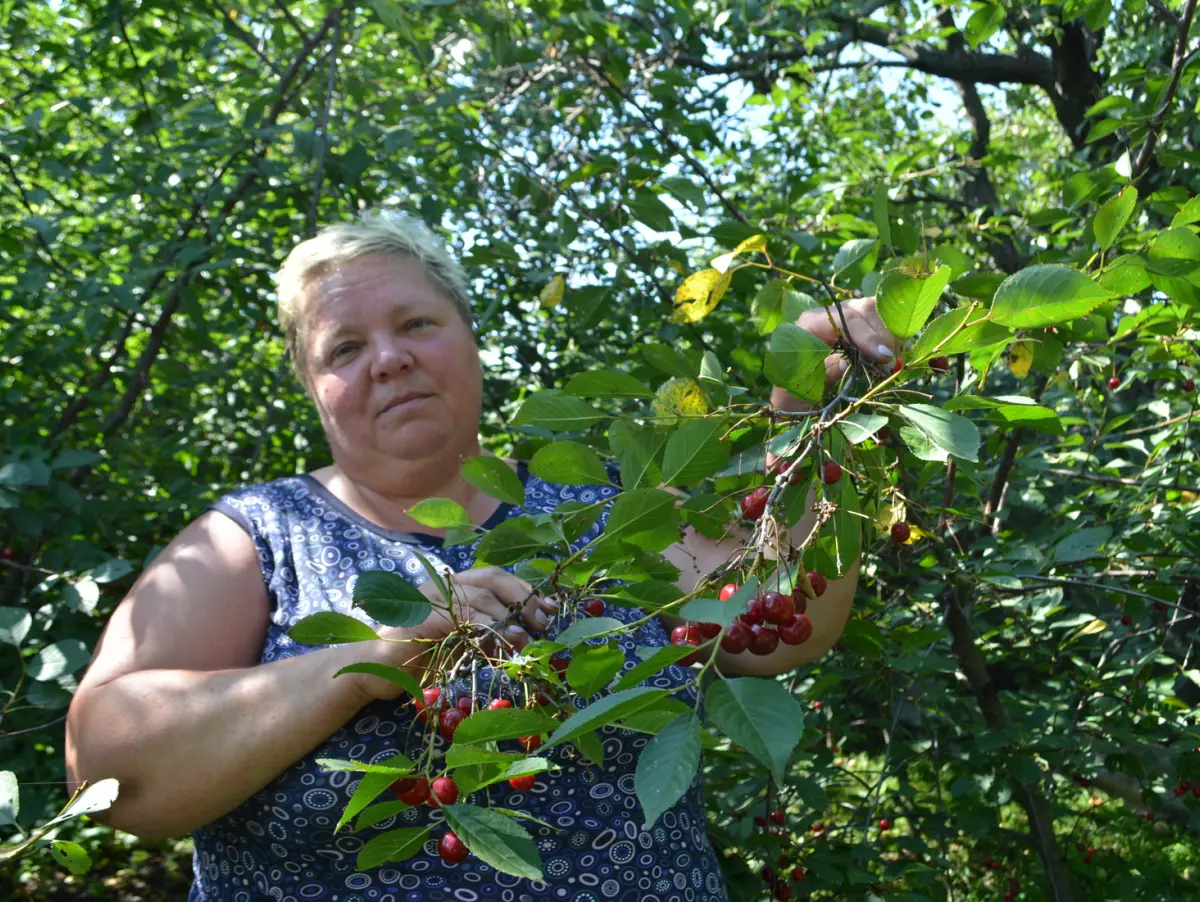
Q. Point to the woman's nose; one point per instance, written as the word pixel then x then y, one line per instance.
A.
pixel 390 357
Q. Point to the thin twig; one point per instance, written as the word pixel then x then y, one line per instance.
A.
pixel 1118 480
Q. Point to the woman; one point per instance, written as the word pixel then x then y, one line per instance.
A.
pixel 212 718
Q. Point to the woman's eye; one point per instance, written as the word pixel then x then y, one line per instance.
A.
pixel 342 350
pixel 418 323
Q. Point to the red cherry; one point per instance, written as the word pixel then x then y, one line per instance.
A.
pixel 760 821
pixel 991 865
pixel 1114 382
pixel 763 639
pixel 783 892
pixel 901 532
pixel 736 640
pixel 452 849
pixel 1014 885
pixel 430 696
pixel 885 824
pixel 403 785
pixel 1091 852
pixel 799 874
pixel 1126 620
pixel 6 552
pixel 728 591
pixel 523 784
pixel 778 817
pixel 778 608
pixel 939 364
pixel 560 664
pixel 541 698
pixel 898 365
pixel 709 630
pixel 754 504
pixel 756 611
pixel 1161 607
pixel 1189 385
pixel 832 472
pixel 799 601
pixel 415 794
pixel 817 827
pixel 593 607
pixel 466 704
pixel 1196 792
pixel 444 792
pixel 1185 785
pixel 1179 790
pixel 796 631
pixel 449 723
pixel 530 743
pixel 818 582
pixel 498 703
pixel 685 634
pixel 1009 897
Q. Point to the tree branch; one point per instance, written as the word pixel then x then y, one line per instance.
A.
pixel 1182 57
pixel 1117 480
pixel 246 38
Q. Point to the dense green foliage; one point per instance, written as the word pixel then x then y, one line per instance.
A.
pixel 158 159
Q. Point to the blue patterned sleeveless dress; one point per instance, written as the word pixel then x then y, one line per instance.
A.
pixel 279 844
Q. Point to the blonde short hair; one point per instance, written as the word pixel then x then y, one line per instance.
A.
pixel 375 232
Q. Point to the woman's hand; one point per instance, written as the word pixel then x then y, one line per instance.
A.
pixel 867 331
pixel 485 596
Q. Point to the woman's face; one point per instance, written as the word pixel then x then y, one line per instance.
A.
pixel 394 370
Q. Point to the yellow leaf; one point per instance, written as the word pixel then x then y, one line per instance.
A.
pixel 755 243
pixel 699 295
pixel 678 398
pixel 1089 629
pixel 676 265
pixel 552 294
pixel 1020 358
pixel 916 533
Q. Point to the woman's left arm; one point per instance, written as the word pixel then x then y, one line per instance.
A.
pixel 697 555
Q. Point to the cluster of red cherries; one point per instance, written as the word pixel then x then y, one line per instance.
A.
pixel 770 618
pixel 433 709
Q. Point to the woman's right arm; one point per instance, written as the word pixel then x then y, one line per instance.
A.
pixel 175 705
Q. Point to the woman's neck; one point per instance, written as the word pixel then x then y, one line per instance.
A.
pixel 385 499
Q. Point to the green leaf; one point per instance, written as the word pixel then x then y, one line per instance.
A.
pixel 854 260
pixel 593 667
pixel 906 302
pixel 10 798
pixel 71 855
pixel 494 477
pixel 557 412
pixel 99 796
pixel 63 657
pixel 606 384
pixel 111 570
pixel 1113 215
pixel 441 513
pixel 569 463
pixel 661 659
pixel 953 434
pixel 962 329
pixel 496 840
pixel 984 23
pixel 14 625
pixel 390 599
pixel 503 723
pixel 667 766
pixel 397 675
pixel 640 511
pixel 508 544
pixel 587 628
pixel 1082 543
pixel 846 533
pixel 1011 410
pixel 796 361
pixel 1044 295
pixel 694 452
pixel 605 711
pixel 395 845
pixel 858 427
pixel 761 716
pixel 1188 213
pixel 331 628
